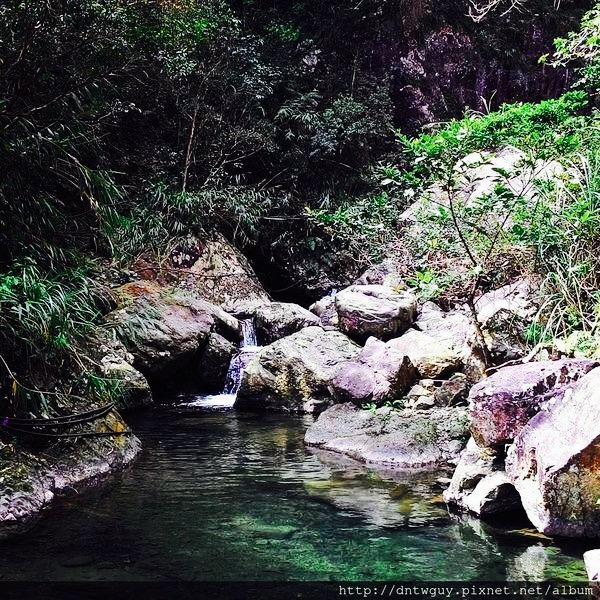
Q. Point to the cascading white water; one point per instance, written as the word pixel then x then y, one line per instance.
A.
pixel 248 348
pixel 248 333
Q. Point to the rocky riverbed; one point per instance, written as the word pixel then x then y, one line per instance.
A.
pixel 391 380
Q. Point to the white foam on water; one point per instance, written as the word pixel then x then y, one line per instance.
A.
pixel 213 401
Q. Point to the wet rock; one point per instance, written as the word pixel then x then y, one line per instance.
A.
pixel 214 362
pixel 88 463
pixel 374 310
pixel 432 357
pixel 294 373
pixel 378 373
pixel 402 439
pixel 479 483
pixel 163 330
pixel 279 319
pixel 555 463
pixel 501 405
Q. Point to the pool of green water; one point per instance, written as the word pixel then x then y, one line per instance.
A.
pixel 220 495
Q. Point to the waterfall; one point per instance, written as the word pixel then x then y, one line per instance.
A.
pixel 248 333
pixel 248 348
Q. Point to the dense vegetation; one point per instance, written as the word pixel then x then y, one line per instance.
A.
pixel 131 125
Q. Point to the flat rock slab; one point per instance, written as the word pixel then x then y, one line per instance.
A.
pixel 399 439
pixel 88 463
pixel 501 405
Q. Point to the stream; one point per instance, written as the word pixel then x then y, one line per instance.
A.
pixel 224 495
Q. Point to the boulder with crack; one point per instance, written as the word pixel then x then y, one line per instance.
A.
pixel 166 330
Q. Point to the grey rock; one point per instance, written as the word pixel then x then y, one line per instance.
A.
pixel 325 310
pixel 432 357
pixel 374 310
pixel 214 361
pixel 280 319
pixel 294 373
pixel 479 483
pixel 385 273
pixel 453 392
pixel 402 439
pixel 164 331
pixel 379 373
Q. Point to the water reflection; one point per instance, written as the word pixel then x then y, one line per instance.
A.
pixel 226 496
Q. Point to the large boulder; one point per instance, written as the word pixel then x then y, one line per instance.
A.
pixel 374 310
pixel 479 483
pixel 378 373
pixel 501 405
pixel 294 373
pixel 399 439
pixel 165 330
pixel 275 320
pixel 555 463
pixel 433 357
pixel 210 268
pixel 222 275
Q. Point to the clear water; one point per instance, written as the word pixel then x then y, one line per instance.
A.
pixel 220 495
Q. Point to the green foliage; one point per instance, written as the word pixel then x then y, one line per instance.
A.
pixel 286 32
pixel 548 129
pixel 44 312
pixel 563 230
pixel 582 46
pixel 365 225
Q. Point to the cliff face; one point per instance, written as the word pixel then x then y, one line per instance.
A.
pixel 441 62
